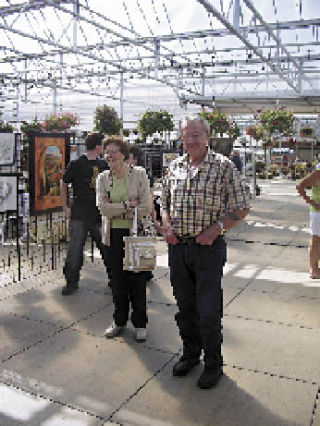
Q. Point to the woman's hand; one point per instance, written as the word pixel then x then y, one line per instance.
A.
pixel 106 199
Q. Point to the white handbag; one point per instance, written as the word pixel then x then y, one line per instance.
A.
pixel 139 252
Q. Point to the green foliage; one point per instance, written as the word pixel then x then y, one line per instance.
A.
pixel 126 132
pixel 306 132
pixel 6 126
pixel 155 121
pixel 27 127
pixel 257 132
pixel 219 122
pixel 106 120
pixel 277 120
pixel 234 131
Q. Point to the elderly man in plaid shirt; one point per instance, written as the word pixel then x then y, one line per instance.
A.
pixel 203 197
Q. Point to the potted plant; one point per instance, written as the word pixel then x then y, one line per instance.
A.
pixel 6 127
pixel 256 132
pixel 258 190
pixel 60 122
pixel 277 121
pixel 27 127
pixel 306 132
pixel 219 122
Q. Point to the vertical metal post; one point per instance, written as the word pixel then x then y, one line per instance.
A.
pixel 203 82
pixel 25 79
pixel 17 232
pixel 156 58
pixel 76 8
pixel 236 13
pixel 54 97
pixel 121 103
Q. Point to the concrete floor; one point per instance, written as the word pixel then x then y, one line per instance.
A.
pixel 58 369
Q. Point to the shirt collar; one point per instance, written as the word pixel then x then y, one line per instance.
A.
pixel 185 159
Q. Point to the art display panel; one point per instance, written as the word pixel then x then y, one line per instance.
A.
pixel 49 155
pixel 8 193
pixel 168 157
pixel 7 149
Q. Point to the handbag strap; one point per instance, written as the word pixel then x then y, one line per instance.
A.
pixel 135 223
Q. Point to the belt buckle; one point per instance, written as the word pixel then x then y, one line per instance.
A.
pixel 187 241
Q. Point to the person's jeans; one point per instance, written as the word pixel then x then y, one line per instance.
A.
pixel 126 286
pixel 195 274
pixel 74 260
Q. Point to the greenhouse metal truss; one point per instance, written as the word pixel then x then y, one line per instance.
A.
pixel 235 54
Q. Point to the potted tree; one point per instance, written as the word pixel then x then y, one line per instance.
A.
pixel 106 120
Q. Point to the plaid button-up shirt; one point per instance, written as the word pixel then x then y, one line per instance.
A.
pixel 195 198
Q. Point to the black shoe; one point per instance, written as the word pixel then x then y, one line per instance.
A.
pixel 69 289
pixel 184 365
pixel 209 378
pixel 149 275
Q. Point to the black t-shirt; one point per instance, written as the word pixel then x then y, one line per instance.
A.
pixel 150 177
pixel 237 161
pixel 82 174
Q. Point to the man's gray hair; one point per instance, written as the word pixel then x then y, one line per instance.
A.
pixel 195 117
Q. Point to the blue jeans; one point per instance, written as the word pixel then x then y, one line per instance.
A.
pixel 78 235
pixel 195 274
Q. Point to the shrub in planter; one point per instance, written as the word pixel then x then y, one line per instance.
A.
pixel 27 127
pixel 306 132
pixel 277 120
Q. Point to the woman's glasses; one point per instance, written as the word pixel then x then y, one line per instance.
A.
pixel 112 151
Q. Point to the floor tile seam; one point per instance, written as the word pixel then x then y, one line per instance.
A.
pixel 123 342
pixel 155 302
pixel 140 388
pixel 50 336
pixel 288 244
pixel 53 400
pixel 300 296
pixel 252 279
pixel 270 374
pixel 88 333
pixel 42 284
pixel 315 406
pixel 266 321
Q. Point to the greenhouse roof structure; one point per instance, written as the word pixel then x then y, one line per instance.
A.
pixel 236 55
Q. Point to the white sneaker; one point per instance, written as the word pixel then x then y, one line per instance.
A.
pixel 141 334
pixel 113 330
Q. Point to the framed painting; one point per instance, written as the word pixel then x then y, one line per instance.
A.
pixel 48 157
pixel 167 157
pixel 8 192
pixel 8 143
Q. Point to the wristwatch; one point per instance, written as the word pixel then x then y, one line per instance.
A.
pixel 219 223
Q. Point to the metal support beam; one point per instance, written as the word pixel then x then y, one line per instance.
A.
pixel 121 103
pixel 76 10
pixel 211 9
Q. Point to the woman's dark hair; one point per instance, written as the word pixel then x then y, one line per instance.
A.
pixel 93 140
pixel 117 140
pixel 137 154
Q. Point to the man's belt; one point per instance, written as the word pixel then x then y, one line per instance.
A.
pixel 188 241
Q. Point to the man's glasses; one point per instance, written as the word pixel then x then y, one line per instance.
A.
pixel 192 137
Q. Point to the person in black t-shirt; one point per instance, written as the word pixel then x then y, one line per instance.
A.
pixel 235 157
pixel 84 214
